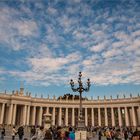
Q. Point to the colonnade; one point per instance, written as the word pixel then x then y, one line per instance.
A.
pixel 94 115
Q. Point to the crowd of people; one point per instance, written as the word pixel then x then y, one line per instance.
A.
pixel 68 133
pixel 52 133
pixel 119 134
pixel 39 133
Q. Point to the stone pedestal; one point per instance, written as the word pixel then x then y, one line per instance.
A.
pixel 81 125
pixel 81 135
pixel 47 120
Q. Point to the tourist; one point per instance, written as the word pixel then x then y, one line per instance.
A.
pixel 14 132
pixel 41 134
pixel 53 133
pixel 20 132
pixel 108 134
pixel 2 133
pixel 62 135
pixel 130 134
pixel 112 133
pixel 125 134
pixel 100 134
pixel 48 135
pixel 136 134
pixel 118 135
pixel 71 134
pixel 33 131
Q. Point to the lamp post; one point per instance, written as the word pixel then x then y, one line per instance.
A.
pixel 80 89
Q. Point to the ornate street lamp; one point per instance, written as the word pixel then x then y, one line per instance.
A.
pixel 80 89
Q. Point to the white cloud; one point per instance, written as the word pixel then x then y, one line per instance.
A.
pixel 50 64
pixel 98 48
pixel 136 33
pixel 51 10
pixel 112 53
pixel 106 48
pixel 26 28
pixel 12 29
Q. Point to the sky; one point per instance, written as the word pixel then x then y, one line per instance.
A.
pixel 45 43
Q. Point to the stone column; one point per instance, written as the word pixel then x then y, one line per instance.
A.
pixel 112 116
pixel 66 117
pixel 47 110
pixel 92 116
pixel 138 114
pixel 60 116
pixel 86 120
pixel 10 114
pixel 120 117
pixel 40 116
pixel 28 115
pixel 126 117
pixel 24 114
pixel 14 114
pixel 99 117
pixel 133 116
pixel 53 116
pixel 73 117
pixel 106 117
pixel 2 113
pixel 34 115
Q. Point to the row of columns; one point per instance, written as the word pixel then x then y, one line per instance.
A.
pixel 29 114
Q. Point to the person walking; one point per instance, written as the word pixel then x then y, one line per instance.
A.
pixel 14 132
pixel 62 135
pixel 33 131
pixel 108 134
pixel 125 134
pixel 40 134
pixel 21 132
pixel 2 133
pixel 100 134
pixel 136 134
pixel 71 134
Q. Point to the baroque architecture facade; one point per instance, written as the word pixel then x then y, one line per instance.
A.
pixel 19 109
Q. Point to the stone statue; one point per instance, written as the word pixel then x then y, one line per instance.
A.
pixel 123 95
pixel 66 97
pixel 41 95
pixel 54 97
pixel 73 97
pixel 111 97
pixel 48 97
pixel 60 97
pixel 13 92
pixel 98 98
pixel 104 97
pixel 16 92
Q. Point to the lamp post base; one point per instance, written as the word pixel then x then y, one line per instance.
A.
pixel 81 135
pixel 81 125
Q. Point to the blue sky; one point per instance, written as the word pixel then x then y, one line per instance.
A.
pixel 46 43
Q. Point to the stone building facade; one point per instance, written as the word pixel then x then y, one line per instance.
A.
pixel 19 109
